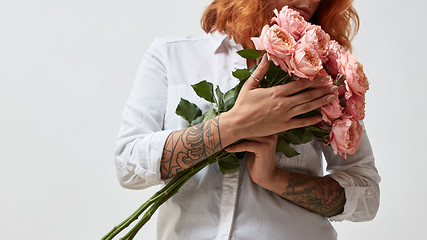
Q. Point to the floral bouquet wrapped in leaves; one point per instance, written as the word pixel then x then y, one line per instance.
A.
pixel 297 49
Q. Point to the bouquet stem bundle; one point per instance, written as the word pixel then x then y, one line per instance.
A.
pixel 152 204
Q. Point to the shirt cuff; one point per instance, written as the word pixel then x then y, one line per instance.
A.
pixel 142 169
pixel 360 201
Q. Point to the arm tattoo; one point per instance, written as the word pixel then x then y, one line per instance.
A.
pixel 322 195
pixel 187 147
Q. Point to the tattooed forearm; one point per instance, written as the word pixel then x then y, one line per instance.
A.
pixel 187 147
pixel 322 195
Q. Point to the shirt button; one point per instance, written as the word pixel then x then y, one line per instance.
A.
pixel 130 166
pixel 368 192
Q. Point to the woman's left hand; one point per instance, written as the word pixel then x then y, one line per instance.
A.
pixel 260 159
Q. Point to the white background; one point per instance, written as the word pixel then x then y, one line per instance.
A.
pixel 67 67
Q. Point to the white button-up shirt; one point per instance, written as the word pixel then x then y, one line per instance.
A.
pixel 231 206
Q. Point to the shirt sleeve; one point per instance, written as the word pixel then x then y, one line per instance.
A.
pixel 359 177
pixel 141 137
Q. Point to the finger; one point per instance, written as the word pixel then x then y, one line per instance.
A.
pixel 310 95
pixel 243 147
pixel 310 106
pixel 299 85
pixel 322 80
pixel 265 139
pixel 303 122
pixel 259 73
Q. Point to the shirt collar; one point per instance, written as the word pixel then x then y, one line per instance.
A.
pixel 220 41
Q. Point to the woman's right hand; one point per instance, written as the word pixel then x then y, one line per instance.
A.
pixel 262 112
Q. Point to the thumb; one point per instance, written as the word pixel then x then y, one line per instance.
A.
pixel 259 73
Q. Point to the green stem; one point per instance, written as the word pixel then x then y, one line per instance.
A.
pixel 160 197
pixel 147 216
pixel 117 229
pixel 189 173
pixel 134 216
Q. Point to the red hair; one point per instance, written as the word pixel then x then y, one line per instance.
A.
pixel 242 19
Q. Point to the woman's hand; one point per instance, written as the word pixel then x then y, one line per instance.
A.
pixel 265 111
pixel 260 159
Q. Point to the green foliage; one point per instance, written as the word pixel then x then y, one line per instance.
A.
pixel 242 74
pixel 275 76
pixel 283 146
pixel 211 113
pixel 249 53
pixel 204 89
pixel 188 111
pixel 298 136
pixel 238 88
pixel 198 120
pixel 229 164
pixel 220 100
pixel 229 99
pixel 220 103
pixel 321 135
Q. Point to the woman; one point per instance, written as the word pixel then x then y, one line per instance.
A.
pixel 271 196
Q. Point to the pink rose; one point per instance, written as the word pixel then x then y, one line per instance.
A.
pixel 355 107
pixel 356 80
pixel 331 111
pixel 305 62
pixel 290 20
pixel 333 55
pixel 345 135
pixel 318 39
pixel 278 43
pixel 361 85
pixel 342 90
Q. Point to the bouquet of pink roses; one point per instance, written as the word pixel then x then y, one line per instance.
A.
pixel 305 50
pixel 297 49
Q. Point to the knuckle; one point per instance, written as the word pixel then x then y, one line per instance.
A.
pixel 273 94
pixel 283 105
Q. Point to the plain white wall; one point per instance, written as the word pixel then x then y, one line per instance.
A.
pixel 67 67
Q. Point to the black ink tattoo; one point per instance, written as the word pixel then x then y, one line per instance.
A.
pixel 187 147
pixel 322 195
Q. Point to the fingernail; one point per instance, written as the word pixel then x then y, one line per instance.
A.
pixel 330 98
pixel 333 88
pixel 324 79
pixel 227 149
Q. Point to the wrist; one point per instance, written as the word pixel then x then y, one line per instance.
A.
pixel 229 129
pixel 278 181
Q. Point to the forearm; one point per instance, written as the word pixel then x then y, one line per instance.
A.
pixel 187 147
pixel 322 195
